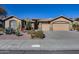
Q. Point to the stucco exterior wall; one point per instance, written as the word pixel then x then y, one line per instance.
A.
pixel 44 26
pixel 7 22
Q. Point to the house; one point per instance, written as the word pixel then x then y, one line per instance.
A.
pixel 60 23
pixel 13 22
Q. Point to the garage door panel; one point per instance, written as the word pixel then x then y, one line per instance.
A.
pixel 60 27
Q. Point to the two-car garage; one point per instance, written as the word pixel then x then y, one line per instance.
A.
pixel 61 24
pixel 57 24
pixel 61 27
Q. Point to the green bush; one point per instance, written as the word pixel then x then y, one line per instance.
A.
pixel 18 33
pixel 39 34
pixel 31 31
pixel 1 29
pixel 77 28
pixel 8 30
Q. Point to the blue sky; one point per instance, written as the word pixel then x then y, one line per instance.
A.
pixel 42 10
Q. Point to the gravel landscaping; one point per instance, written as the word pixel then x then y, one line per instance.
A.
pixel 25 36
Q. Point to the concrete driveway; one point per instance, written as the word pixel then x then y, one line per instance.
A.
pixel 55 40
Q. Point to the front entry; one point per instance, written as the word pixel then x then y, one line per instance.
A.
pixel 13 24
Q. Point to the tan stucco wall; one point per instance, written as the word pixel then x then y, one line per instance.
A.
pixel 7 22
pixel 44 26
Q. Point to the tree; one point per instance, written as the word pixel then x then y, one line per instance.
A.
pixel 77 19
pixel 3 12
pixel 75 25
pixel 36 23
pixel 28 24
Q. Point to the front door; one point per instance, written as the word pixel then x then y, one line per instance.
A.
pixel 13 24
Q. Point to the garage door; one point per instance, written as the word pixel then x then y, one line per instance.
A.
pixel 61 27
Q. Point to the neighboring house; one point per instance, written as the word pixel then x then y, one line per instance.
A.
pixel 57 24
pixel 12 22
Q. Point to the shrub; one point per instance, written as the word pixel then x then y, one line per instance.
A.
pixel 8 30
pixel 37 34
pixel 1 31
pixel 75 25
pixel 18 33
pixel 77 28
pixel 31 31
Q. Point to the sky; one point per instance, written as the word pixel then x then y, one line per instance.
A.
pixel 41 10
